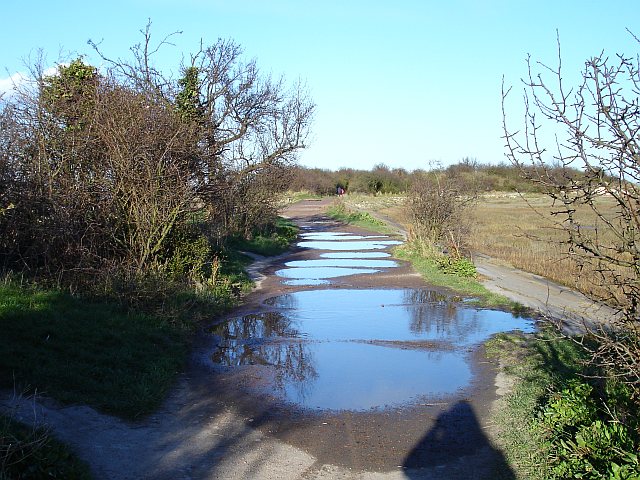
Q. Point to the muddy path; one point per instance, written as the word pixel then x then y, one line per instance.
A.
pixel 229 423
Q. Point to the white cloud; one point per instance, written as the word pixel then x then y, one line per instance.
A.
pixel 51 71
pixel 8 84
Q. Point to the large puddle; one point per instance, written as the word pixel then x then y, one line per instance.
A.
pixel 362 349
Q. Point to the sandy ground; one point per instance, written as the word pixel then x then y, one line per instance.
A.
pixel 217 425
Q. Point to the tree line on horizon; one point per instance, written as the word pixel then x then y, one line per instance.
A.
pixel 471 175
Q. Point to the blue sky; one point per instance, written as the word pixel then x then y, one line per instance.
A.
pixel 401 82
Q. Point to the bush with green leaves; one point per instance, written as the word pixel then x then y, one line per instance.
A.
pixel 462 267
pixel 586 437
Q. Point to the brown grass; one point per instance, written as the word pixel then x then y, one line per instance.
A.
pixel 518 230
pixel 521 231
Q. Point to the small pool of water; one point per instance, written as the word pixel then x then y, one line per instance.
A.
pixel 355 255
pixel 337 236
pixel 320 273
pixel 353 245
pixel 343 262
pixel 361 349
pixel 306 282
pixel 350 375
pixel 348 259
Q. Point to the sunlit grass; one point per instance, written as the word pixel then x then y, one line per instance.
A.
pixel 428 267
pixel 362 219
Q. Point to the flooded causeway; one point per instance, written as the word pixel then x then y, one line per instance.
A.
pixel 361 349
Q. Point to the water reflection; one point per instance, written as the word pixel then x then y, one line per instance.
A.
pixel 397 315
pixel 306 282
pixel 333 349
pixel 339 236
pixel 343 262
pixel 319 273
pixel 355 255
pixel 254 326
pixel 346 246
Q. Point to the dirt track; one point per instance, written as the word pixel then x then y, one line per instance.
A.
pixel 210 427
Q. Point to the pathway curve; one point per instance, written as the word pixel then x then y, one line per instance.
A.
pixel 211 428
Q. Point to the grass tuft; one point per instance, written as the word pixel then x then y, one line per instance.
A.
pixel 430 269
pixel 268 243
pixel 365 220
pixel 31 453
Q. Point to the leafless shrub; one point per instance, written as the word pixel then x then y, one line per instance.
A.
pixel 596 125
pixel 438 206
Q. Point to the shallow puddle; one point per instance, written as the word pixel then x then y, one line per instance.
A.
pixel 350 375
pixel 319 273
pixel 348 260
pixel 337 236
pixel 343 262
pixel 348 245
pixel 355 255
pixel 306 282
pixel 362 349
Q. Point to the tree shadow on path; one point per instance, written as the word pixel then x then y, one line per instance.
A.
pixel 456 447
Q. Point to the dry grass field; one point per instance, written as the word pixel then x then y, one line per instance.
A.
pixel 519 230
pixel 522 231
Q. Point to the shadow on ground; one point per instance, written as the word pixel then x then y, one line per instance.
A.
pixel 455 442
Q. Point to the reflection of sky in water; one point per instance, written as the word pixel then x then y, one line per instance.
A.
pixel 343 262
pixel 355 255
pixel 306 282
pixel 315 273
pixel 357 376
pixel 347 261
pixel 346 246
pixel 397 315
pixel 315 338
pixel 339 236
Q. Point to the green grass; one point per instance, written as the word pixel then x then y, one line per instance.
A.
pixel 560 418
pixel 359 219
pixel 293 197
pixel 28 453
pixel 91 353
pixel 105 353
pixel 521 443
pixel 536 364
pixel 269 243
pixel 428 267
pixel 112 357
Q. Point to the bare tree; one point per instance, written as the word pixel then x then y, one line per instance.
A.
pixel 252 128
pixel 596 125
pixel 250 124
